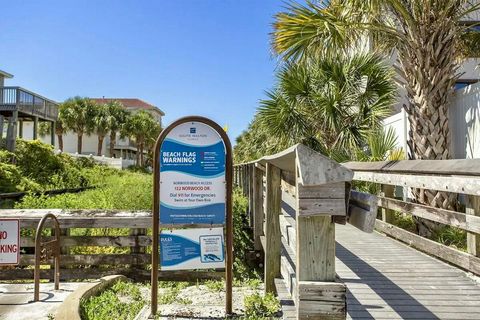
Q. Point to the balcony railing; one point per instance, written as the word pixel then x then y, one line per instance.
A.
pixel 27 102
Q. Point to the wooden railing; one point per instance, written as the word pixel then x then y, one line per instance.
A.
pixel 455 176
pixel 292 218
pixel 135 242
pixel 19 99
pixel 295 198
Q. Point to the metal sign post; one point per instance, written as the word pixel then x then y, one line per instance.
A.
pixel 193 172
pixel 46 250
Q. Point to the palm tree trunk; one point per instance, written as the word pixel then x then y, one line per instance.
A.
pixel 79 143
pixel 142 160
pixel 100 145
pixel 60 141
pixel 430 55
pixel 113 138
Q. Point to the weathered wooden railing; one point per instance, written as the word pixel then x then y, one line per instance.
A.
pixel 295 198
pixel 455 176
pixel 293 202
pixel 133 261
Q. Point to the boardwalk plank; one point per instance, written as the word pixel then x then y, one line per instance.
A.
pixel 389 280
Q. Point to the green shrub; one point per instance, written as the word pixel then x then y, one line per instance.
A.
pixel 261 307
pixel 84 162
pixel 451 236
pixel 135 168
pixel 122 301
pixel 6 156
pixel 242 238
pixel 11 179
pixel 37 162
pixel 117 190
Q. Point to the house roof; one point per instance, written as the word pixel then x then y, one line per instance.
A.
pixel 6 74
pixel 131 103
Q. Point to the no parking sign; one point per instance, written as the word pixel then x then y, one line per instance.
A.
pixel 9 241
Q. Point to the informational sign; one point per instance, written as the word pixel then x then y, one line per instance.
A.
pixel 186 249
pixel 192 194
pixel 9 241
pixel 192 167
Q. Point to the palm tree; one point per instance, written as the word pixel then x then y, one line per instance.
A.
pixel 331 104
pixel 101 125
pixel 428 36
pixel 117 117
pixel 78 116
pixel 141 126
pixel 45 127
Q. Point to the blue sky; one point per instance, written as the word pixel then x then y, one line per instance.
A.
pixel 204 57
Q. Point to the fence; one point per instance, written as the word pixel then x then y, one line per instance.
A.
pixel 133 262
pixel 118 163
pixel 455 176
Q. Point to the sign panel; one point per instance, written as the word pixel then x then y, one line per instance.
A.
pixel 9 241
pixel 187 249
pixel 192 167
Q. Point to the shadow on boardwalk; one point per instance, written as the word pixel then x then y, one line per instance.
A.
pixel 371 276
pixel 389 280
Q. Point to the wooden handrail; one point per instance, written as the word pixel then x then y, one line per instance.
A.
pixel 76 266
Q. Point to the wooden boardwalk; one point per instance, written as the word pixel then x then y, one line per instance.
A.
pixel 389 280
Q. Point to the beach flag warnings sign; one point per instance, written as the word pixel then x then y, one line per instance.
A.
pixel 192 201
pixel 9 241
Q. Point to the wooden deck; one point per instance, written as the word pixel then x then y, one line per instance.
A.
pixel 389 280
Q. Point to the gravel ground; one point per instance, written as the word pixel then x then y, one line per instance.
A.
pixel 200 302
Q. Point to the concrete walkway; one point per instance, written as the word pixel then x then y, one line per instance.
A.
pixel 16 300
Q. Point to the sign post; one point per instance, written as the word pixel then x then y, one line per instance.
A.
pixel 193 200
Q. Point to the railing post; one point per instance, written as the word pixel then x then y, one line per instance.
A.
pixel 257 208
pixel 320 194
pixel 137 249
pixel 272 232
pixel 20 129
pixel 35 128
pixel 1 128
pixel 12 131
pixel 251 204
pixel 388 191
pixel 52 134
pixel 473 240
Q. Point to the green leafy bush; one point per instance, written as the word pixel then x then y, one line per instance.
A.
pixel 261 307
pixel 11 179
pixel 242 238
pixel 451 236
pixel 118 190
pixel 40 168
pixel 6 156
pixel 122 301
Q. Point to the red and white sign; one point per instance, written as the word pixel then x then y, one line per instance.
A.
pixel 9 241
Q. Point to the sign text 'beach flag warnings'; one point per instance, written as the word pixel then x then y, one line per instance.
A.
pixel 192 166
